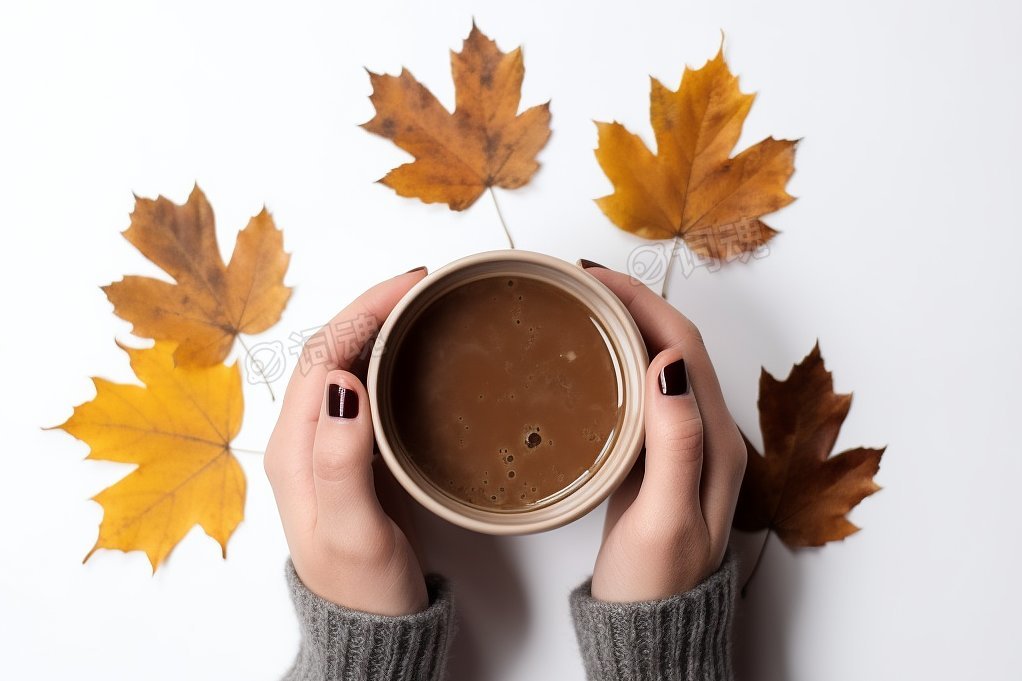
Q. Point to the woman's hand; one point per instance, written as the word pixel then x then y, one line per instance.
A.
pixel 344 547
pixel 667 526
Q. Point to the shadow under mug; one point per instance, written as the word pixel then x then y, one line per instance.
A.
pixel 625 345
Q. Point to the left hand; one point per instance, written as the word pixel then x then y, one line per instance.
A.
pixel 345 546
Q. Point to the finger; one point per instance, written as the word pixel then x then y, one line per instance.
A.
pixel 624 495
pixel 722 479
pixel 662 326
pixel 674 440
pixel 340 343
pixel 395 502
pixel 342 453
pixel 288 460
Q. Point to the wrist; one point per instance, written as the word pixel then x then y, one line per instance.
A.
pixel 372 591
pixel 648 576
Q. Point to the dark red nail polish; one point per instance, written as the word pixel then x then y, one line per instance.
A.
pixel 674 378
pixel 416 269
pixel 342 402
pixel 586 264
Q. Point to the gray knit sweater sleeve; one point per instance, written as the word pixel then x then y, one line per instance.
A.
pixel 681 638
pixel 342 644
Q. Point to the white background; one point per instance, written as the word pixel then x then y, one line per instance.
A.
pixel 901 256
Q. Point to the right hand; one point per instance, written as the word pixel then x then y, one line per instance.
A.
pixel 344 546
pixel 667 526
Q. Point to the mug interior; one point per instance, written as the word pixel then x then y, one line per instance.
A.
pixel 628 355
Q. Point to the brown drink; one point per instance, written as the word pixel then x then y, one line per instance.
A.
pixel 505 393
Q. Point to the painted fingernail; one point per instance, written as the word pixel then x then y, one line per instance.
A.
pixel 420 268
pixel 342 402
pixel 586 264
pixel 674 378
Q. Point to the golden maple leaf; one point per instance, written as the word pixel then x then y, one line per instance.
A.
pixel 692 188
pixel 178 428
pixel 210 303
pixel 484 143
pixel 796 489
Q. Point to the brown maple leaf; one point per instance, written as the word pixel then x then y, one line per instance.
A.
pixel 177 428
pixel 210 303
pixel 692 188
pixel 483 144
pixel 796 489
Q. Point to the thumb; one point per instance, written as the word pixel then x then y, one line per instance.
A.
pixel 674 437
pixel 342 452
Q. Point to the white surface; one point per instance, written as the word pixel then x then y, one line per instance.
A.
pixel 901 256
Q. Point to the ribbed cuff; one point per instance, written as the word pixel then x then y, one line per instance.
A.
pixel 340 643
pixel 684 637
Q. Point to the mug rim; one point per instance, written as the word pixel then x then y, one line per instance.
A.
pixel 617 462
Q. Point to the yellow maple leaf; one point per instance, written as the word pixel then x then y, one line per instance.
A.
pixel 177 428
pixel 210 303
pixel 692 188
pixel 484 143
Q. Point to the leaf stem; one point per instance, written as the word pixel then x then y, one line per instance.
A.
pixel 759 559
pixel 259 368
pixel 247 451
pixel 510 241
pixel 670 263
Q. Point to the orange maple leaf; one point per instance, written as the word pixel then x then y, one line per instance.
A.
pixel 796 489
pixel 692 188
pixel 484 143
pixel 177 428
pixel 210 303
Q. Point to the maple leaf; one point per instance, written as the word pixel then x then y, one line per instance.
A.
pixel 692 188
pixel 210 303
pixel 794 489
pixel 178 428
pixel 484 143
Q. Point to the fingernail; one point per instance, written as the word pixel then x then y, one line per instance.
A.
pixel 420 268
pixel 674 378
pixel 342 402
pixel 586 264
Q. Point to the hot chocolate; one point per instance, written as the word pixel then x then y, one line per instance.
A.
pixel 505 392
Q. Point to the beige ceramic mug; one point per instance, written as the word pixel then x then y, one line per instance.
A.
pixel 628 352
